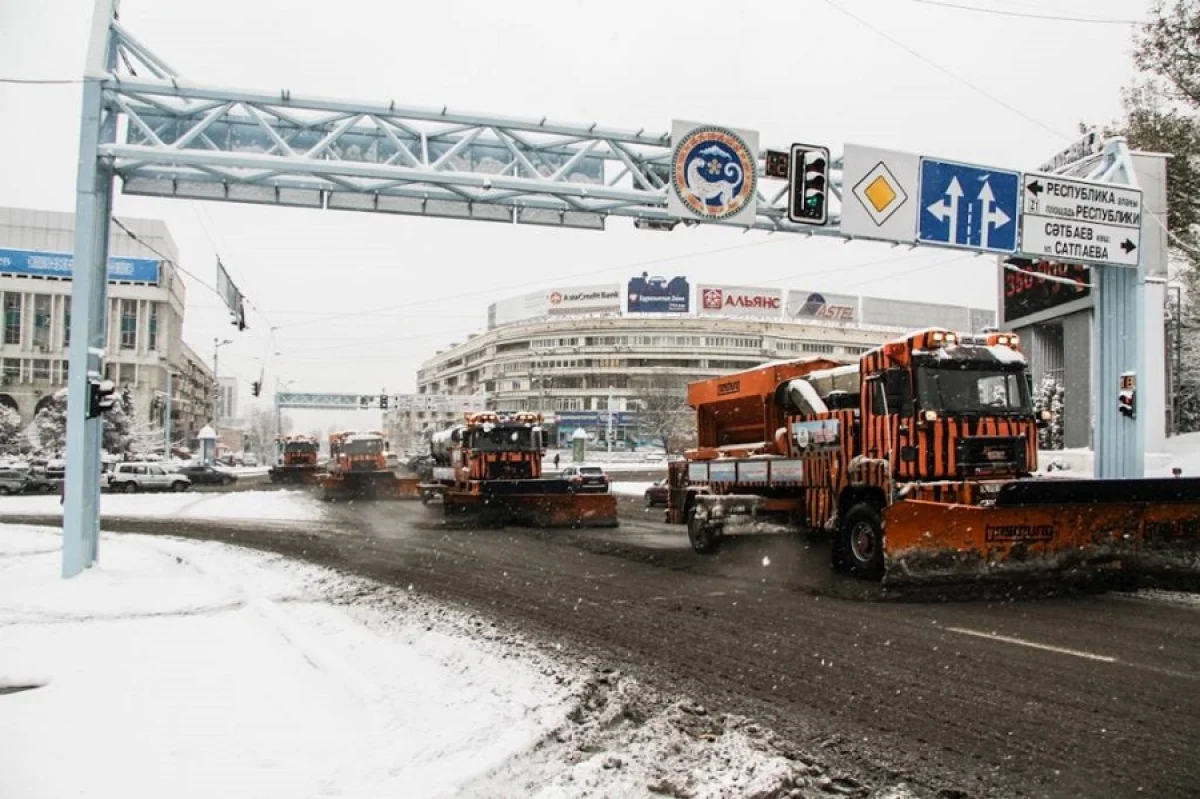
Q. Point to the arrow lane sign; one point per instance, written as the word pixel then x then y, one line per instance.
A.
pixel 991 214
pixel 1128 246
pixel 1034 188
pixel 947 209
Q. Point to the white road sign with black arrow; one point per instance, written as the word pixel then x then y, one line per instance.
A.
pixel 1080 221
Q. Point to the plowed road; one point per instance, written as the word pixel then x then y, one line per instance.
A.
pixel 1087 696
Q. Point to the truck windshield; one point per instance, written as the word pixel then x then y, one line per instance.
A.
pixel 986 392
pixel 504 439
pixel 300 446
pixel 369 446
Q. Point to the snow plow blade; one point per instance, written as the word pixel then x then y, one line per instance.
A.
pixel 538 510
pixel 376 485
pixel 293 475
pixel 1067 531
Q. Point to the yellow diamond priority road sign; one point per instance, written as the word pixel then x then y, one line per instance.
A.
pixel 880 186
pixel 880 193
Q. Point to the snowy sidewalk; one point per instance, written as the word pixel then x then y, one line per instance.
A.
pixel 186 669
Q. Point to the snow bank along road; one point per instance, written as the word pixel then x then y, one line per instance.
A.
pixel 1083 696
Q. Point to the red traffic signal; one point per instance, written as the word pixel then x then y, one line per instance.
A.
pixel 1126 403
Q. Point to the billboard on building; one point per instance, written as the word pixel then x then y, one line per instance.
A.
pixel 604 298
pixel 1026 294
pixel 226 398
pixel 556 301
pixel 803 304
pixel 744 301
pixel 61 264
pixel 912 315
pixel 517 309
pixel 653 294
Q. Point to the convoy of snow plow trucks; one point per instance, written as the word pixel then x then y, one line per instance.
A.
pixel 919 461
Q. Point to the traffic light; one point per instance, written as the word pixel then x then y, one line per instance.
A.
pixel 256 388
pixel 808 185
pixel 1127 396
pixel 383 401
pixel 101 396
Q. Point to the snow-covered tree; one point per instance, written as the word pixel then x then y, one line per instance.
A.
pixel 118 423
pixel 663 415
pixel 10 428
pixel 49 426
pixel 1162 114
pixel 1050 398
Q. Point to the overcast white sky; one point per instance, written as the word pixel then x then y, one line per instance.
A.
pixel 794 71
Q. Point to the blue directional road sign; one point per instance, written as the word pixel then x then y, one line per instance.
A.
pixel 973 207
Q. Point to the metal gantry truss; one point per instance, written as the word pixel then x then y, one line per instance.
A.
pixel 181 139
pixel 163 135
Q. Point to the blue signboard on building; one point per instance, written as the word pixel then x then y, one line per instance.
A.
pixel 60 264
pixel 593 418
pixel 648 294
pixel 967 206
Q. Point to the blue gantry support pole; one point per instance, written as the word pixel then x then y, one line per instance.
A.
pixel 1119 322
pixel 93 205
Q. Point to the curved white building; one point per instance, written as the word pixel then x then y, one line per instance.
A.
pixel 576 364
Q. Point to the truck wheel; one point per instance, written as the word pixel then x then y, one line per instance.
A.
pixel 701 537
pixel 860 541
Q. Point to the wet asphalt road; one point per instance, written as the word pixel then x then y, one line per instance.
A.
pixel 1086 695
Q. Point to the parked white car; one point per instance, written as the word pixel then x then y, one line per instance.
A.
pixel 130 477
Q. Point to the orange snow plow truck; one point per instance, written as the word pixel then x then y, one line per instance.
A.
pixel 296 460
pixel 491 466
pixel 919 460
pixel 358 469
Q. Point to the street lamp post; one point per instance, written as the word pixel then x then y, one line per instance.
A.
pixel 280 385
pixel 216 405
pixel 609 437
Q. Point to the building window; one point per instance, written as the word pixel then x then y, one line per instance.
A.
pixel 127 374
pixel 128 324
pixel 12 318
pixel 41 369
pixel 41 321
pixel 66 321
pixel 152 328
pixel 66 371
pixel 12 370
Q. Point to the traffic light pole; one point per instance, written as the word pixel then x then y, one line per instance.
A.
pixel 93 206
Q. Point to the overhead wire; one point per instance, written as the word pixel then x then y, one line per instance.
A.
pixel 1031 15
pixel 949 73
pixel 163 256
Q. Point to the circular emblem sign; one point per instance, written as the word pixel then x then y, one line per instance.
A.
pixel 714 172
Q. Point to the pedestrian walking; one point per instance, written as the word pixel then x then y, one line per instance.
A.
pixel 556 460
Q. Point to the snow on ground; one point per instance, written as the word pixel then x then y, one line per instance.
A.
pixel 184 669
pixel 194 669
pixel 1181 452
pixel 274 505
pixel 629 488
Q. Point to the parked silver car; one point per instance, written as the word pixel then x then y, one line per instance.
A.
pixel 12 481
pixel 130 477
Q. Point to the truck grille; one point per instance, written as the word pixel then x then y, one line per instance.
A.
pixel 990 455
